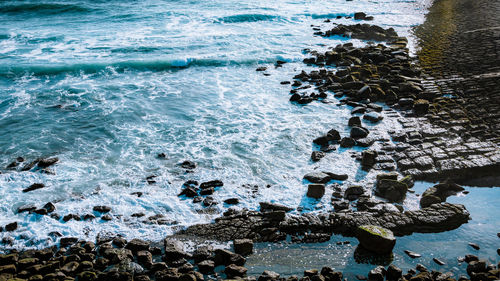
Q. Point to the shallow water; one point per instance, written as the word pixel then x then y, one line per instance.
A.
pixel 482 203
pixel 107 85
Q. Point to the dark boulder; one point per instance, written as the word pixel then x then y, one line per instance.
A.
pixel 376 239
pixel 315 190
pixel 359 132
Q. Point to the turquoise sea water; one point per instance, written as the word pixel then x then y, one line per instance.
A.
pixel 107 85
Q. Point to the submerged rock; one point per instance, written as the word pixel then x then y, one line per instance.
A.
pixel 376 239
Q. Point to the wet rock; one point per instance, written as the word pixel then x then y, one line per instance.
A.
pixel 438 261
pixel 475 267
pixel 136 245
pixel 189 192
pixel 174 249
pixel 47 162
pixel 353 192
pixel 206 266
pixel 209 201
pixel 145 258
pixel 412 254
pixel 233 271
pixel 377 274
pixel 266 206
pixel 119 242
pixel 189 165
pixel 347 142
pixel 207 191
pixel 421 106
pixel 363 32
pixel 392 190
pixel 232 201
pixel 315 190
pixel 393 273
pixel 243 246
pixel 268 276
pixel 340 205
pixel 368 158
pixel 317 155
pixel 211 184
pixel 69 217
pixel 469 258
pixel 106 218
pixel 317 177
pixel 26 208
pixel 474 246
pixel 376 239
pixel 11 226
pixel 102 209
pixel 439 193
pixel 373 117
pixel 354 121
pixel 358 110
pixel 225 257
pixel 34 186
pixel 358 132
pixel 421 268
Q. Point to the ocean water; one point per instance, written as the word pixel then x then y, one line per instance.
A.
pixel 107 85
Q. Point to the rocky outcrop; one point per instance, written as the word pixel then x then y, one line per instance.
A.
pixel 264 227
pixel 439 193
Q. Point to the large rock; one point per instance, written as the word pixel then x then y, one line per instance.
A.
pixel 316 190
pixel 392 190
pixel 376 239
pixel 368 158
pixel 439 193
pixel 243 246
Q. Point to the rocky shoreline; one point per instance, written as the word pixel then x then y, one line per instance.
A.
pixel 443 137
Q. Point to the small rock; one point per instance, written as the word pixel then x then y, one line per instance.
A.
pixel 354 121
pixel 412 255
pixel 34 186
pixel 233 271
pixel 347 142
pixel 438 261
pixel 474 246
pixel 359 16
pixel 261 68
pixel 206 266
pixel 393 273
pixel 373 117
pixel 317 177
pixel 243 246
pixel 232 201
pixel 213 183
pixel 317 155
pixel 265 206
pixel 268 275
pixel 11 226
pixel 420 267
pixel 102 209
pixel 189 165
pixel 106 218
pixel 47 162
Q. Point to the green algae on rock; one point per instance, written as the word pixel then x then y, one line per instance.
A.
pixel 376 239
